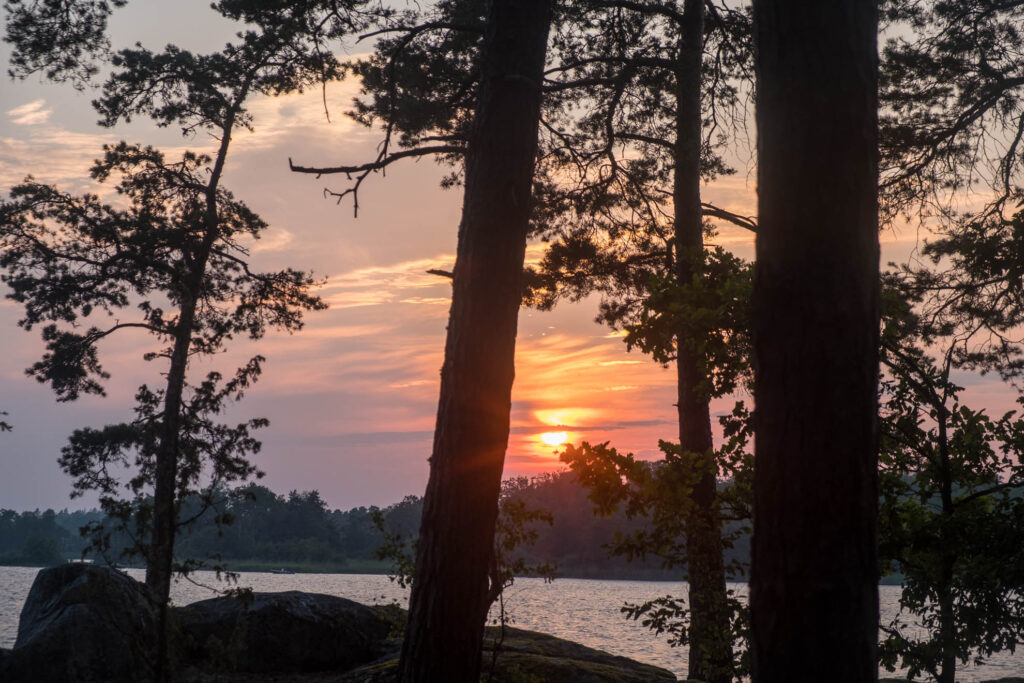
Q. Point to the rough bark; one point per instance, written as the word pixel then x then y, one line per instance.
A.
pixel 814 578
pixel 448 605
pixel 710 644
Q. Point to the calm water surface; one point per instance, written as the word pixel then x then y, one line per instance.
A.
pixel 585 611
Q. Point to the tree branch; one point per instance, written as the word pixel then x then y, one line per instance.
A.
pixel 745 222
pixel 379 163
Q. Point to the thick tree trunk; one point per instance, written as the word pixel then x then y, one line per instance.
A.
pixel 710 643
pixel 814 579
pixel 448 607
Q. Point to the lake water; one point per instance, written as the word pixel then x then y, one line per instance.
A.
pixel 586 611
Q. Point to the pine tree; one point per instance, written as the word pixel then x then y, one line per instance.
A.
pixel 174 254
pixel 814 574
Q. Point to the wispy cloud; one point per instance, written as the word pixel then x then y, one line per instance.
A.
pixel 31 114
pixel 58 156
pixel 273 239
pixel 389 284
pixel 277 119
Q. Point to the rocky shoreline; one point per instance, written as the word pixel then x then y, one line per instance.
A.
pixel 88 624
pixel 85 624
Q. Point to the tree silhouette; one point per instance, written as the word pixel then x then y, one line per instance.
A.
pixel 177 243
pixel 952 480
pixel 447 607
pixel 656 82
pixel 626 100
pixel 953 113
pixel 70 259
pixel 814 581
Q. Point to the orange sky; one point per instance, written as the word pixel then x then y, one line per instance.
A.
pixel 352 397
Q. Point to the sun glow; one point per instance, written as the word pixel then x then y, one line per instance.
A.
pixel 554 438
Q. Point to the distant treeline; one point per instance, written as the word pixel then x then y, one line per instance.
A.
pixel 298 531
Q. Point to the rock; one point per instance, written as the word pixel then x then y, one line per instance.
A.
pixel 83 623
pixel 538 656
pixel 281 632
pixel 531 656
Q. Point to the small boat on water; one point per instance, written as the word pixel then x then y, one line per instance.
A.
pixel 282 570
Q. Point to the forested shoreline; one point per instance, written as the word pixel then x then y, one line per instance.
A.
pixel 299 531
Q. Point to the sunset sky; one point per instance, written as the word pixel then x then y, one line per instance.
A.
pixel 351 398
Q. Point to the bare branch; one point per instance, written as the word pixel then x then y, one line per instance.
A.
pixel 443 273
pixel 380 162
pixel 745 222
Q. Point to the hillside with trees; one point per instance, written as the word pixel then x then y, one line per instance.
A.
pixel 298 530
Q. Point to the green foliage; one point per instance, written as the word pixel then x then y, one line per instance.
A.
pixel 40 552
pixel 65 40
pixel 669 615
pixel 516 529
pixel 709 315
pixel 420 86
pixel 420 82
pixel 296 530
pixel 71 258
pixel 398 548
pixel 660 493
pixel 612 111
pixel 32 538
pixel 951 475
pixel 970 288
pixel 951 513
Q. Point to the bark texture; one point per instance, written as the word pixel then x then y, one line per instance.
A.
pixel 448 604
pixel 814 577
pixel 709 634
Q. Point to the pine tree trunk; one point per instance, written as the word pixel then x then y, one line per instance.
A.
pixel 710 643
pixel 447 608
pixel 160 561
pixel 814 579
pixel 161 554
pixel 947 617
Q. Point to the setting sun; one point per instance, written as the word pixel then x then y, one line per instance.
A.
pixel 554 438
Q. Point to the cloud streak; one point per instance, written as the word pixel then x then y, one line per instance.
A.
pixel 31 114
